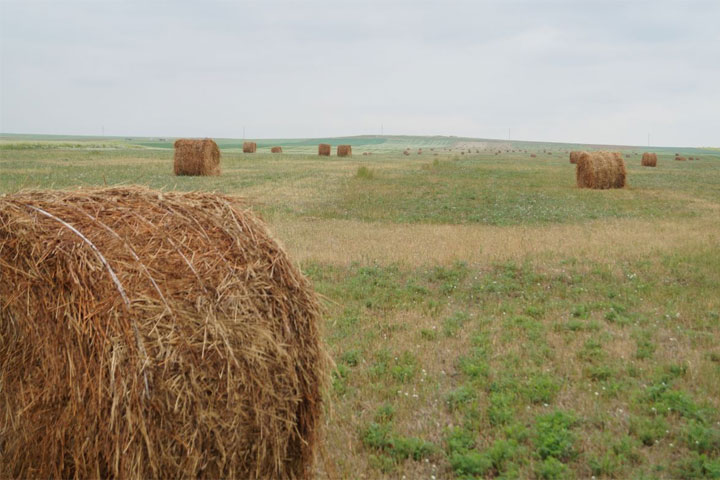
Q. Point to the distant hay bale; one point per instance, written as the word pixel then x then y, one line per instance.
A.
pixel 405 152
pixel 324 149
pixel 276 150
pixel 649 160
pixel 574 155
pixel 249 147
pixel 532 155
pixel 149 334
pixel 680 159
pixel 600 170
pixel 196 157
pixel 344 151
pixel 364 154
pixel 419 152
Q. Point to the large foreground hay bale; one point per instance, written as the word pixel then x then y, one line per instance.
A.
pixel 574 155
pixel 324 149
pixel 276 150
pixel 249 147
pixel 196 157
pixel 152 335
pixel 649 160
pixel 600 170
pixel 344 151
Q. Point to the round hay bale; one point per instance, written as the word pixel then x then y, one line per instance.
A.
pixel 276 150
pixel 196 157
pixel 532 155
pixel 574 155
pixel 680 159
pixel 249 147
pixel 344 151
pixel 406 152
pixel 649 160
pixel 151 334
pixel 600 170
pixel 324 149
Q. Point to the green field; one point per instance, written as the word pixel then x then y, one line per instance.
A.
pixel 488 319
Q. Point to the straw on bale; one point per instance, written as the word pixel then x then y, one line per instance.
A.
pixel 574 155
pixel 680 159
pixel 344 151
pixel 600 170
pixel 249 147
pixel 324 149
pixel 150 334
pixel 276 150
pixel 649 160
pixel 196 157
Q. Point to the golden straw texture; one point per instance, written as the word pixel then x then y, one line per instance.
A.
pixel 196 157
pixel 149 334
pixel 600 170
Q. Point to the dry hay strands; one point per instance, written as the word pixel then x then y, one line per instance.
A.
pixel 147 334
pixel 680 158
pixel 249 147
pixel 649 160
pixel 276 150
pixel 344 151
pixel 600 170
pixel 324 149
pixel 196 157
pixel 574 155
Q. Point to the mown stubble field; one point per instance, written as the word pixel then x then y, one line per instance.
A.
pixel 487 318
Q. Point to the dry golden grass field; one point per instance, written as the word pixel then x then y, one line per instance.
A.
pixel 487 318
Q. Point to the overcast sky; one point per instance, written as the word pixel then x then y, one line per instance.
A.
pixel 569 71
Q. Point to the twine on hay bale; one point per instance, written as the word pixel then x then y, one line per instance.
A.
pixel 344 151
pixel 600 170
pixel 249 147
pixel 151 334
pixel 649 159
pixel 324 149
pixel 196 157
pixel 574 155
pixel 276 150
